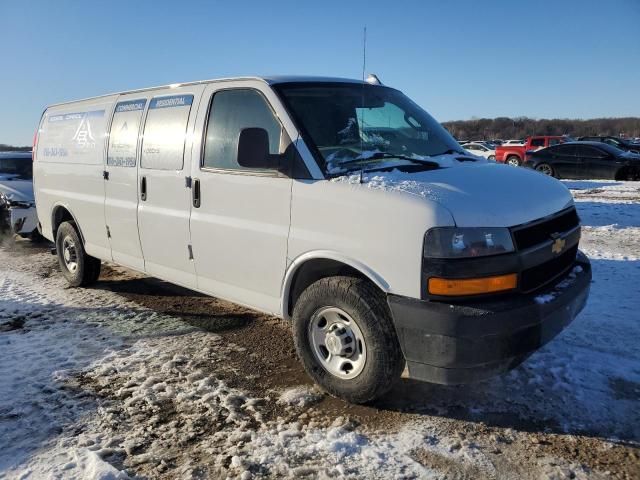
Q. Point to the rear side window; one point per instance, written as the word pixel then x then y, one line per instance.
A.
pixel 123 138
pixel 165 132
pixel 537 142
pixel 586 151
pixel 554 141
pixel 565 150
pixel 231 111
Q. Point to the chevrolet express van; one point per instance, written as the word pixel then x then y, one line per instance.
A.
pixel 340 205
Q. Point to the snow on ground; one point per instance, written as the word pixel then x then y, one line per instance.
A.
pixel 95 386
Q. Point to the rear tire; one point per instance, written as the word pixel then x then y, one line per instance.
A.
pixel 361 358
pixel 513 161
pixel 77 267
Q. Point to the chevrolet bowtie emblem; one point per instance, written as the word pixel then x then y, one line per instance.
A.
pixel 558 245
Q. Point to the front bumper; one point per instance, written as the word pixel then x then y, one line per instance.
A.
pixel 467 342
pixel 23 221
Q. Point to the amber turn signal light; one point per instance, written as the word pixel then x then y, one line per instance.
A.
pixel 472 286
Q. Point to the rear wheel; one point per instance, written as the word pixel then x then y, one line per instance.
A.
pixel 77 267
pixel 546 169
pixel 345 338
pixel 513 161
pixel 492 158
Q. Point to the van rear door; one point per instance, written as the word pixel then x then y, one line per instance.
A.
pixel 121 181
pixel 164 194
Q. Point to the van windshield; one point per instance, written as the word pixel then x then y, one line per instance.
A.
pixel 344 123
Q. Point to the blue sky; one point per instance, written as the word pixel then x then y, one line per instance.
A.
pixel 456 58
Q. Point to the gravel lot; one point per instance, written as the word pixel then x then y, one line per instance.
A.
pixel 136 378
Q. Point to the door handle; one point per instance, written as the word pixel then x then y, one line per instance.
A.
pixel 195 189
pixel 143 189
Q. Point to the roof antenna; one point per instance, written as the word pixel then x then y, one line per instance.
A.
pixel 364 53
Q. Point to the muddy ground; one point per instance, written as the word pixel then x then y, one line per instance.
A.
pixel 518 445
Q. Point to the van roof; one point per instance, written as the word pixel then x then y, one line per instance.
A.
pixel 271 80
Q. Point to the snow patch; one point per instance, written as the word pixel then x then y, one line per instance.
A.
pixel 301 396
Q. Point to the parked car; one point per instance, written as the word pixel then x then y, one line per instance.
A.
pixel 17 205
pixel 381 240
pixel 617 142
pixel 481 150
pixel 515 154
pixel 586 160
pixel 514 142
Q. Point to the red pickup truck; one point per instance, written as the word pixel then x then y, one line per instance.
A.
pixel 515 154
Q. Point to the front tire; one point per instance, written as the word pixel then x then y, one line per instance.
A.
pixel 513 161
pixel 346 340
pixel 77 267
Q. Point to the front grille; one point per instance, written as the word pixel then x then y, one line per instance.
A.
pixel 532 234
pixel 537 276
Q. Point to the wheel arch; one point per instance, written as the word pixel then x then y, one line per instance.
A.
pixel 312 266
pixel 62 213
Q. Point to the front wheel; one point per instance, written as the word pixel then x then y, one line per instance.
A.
pixel 546 169
pixel 513 161
pixel 345 338
pixel 77 267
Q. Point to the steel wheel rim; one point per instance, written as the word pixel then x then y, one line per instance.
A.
pixel 70 254
pixel 337 342
pixel 546 169
pixel 513 162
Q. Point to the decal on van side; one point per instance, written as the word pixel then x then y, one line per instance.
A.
pixel 130 105
pixel 174 101
pixel 74 137
pixel 123 139
pixel 76 116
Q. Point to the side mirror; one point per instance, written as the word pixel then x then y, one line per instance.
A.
pixel 253 150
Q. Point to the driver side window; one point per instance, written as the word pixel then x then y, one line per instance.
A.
pixel 232 111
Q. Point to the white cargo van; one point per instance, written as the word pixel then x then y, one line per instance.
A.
pixel 337 204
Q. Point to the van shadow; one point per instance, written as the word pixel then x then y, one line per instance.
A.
pixel 194 308
pixel 586 381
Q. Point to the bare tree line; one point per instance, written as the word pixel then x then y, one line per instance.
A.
pixel 521 127
pixel 10 148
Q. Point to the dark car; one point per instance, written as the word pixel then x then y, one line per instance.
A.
pixel 585 160
pixel 617 142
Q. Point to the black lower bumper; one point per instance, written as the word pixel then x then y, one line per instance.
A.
pixel 462 343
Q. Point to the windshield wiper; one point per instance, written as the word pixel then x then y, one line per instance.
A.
pixel 376 157
pixel 448 152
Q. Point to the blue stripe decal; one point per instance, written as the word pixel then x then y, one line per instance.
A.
pixel 76 116
pixel 174 101
pixel 131 105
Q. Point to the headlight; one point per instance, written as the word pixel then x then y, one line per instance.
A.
pixel 453 242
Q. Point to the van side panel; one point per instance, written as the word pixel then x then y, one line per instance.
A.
pixel 69 168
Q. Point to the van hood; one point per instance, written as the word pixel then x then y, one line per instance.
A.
pixel 16 190
pixel 477 195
